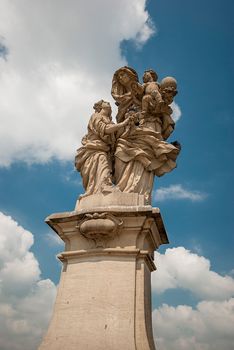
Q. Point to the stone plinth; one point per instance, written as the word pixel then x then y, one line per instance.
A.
pixel 104 295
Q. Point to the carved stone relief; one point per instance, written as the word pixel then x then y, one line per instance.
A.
pixel 99 227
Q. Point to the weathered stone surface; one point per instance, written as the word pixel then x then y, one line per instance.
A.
pixel 104 295
pixel 115 200
pixel 128 155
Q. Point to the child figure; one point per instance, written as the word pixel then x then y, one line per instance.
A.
pixel 152 99
pixel 152 102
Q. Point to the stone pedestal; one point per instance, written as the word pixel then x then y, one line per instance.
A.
pixel 104 295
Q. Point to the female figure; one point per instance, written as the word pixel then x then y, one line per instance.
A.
pixel 94 158
pixel 126 91
pixel 141 152
pixel 140 155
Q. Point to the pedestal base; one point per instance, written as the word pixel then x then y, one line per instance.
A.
pixel 104 296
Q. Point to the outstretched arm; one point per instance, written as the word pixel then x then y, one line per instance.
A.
pixel 111 128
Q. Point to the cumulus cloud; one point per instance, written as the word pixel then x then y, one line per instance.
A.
pixel 61 59
pixel 176 114
pixel 180 268
pixel 178 192
pixel 25 299
pixel 3 49
pixel 209 326
pixel 53 239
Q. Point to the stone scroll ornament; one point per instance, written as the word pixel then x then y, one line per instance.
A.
pixel 127 155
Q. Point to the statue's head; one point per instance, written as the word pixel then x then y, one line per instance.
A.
pixel 168 88
pixel 125 75
pixel 150 75
pixel 98 106
pixel 168 82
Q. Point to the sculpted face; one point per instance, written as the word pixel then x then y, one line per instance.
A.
pixel 106 106
pixel 123 78
pixel 168 97
pixel 147 77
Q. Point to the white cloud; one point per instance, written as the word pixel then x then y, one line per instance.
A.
pixel 62 56
pixel 25 299
pixel 146 31
pixel 178 192
pixel 53 239
pixel 3 48
pixel 176 111
pixel 207 327
pixel 180 268
pixel 71 177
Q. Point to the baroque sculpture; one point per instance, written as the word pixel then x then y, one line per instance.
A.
pixel 127 155
pixel 104 294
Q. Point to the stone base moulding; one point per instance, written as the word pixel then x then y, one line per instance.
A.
pixel 104 295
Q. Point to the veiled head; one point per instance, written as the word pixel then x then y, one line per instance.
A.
pixel 122 78
pixel 125 75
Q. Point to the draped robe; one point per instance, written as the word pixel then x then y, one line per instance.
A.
pixel 93 159
pixel 140 155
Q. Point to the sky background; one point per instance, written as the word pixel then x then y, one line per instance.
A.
pixel 56 59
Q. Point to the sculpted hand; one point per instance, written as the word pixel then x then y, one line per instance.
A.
pixel 132 118
pixel 126 121
pixel 128 93
pixel 129 120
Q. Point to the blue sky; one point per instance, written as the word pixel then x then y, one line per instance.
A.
pixel 48 83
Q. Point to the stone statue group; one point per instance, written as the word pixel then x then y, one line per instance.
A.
pixel 127 155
